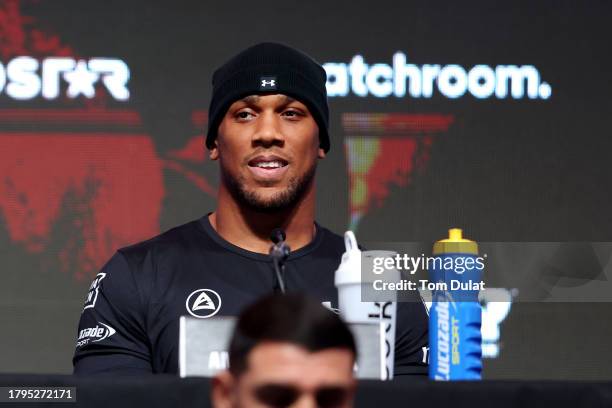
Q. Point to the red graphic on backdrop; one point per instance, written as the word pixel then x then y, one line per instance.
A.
pixel 105 188
pixel 81 193
pixel 193 153
pixel 384 150
pixel 19 36
pixel 112 185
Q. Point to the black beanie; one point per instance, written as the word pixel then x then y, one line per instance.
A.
pixel 270 68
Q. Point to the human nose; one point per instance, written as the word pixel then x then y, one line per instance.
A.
pixel 267 132
pixel 305 401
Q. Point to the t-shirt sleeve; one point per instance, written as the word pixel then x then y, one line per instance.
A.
pixel 112 337
pixel 411 338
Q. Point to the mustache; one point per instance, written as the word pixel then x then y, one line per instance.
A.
pixel 267 152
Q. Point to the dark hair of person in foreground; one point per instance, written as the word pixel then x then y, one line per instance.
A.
pixel 295 319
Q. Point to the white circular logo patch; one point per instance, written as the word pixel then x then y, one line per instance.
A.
pixel 203 303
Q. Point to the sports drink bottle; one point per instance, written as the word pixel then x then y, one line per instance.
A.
pixel 455 341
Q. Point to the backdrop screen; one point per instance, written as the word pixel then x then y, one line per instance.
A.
pixel 490 117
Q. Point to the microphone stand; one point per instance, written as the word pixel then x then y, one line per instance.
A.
pixel 279 253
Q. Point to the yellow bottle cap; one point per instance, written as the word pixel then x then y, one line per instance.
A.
pixel 455 243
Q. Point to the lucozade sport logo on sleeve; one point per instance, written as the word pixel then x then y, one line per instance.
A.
pixel 95 334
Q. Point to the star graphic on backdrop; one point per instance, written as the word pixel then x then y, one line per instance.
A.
pixel 81 81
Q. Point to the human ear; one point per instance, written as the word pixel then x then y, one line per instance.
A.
pixel 221 392
pixel 213 152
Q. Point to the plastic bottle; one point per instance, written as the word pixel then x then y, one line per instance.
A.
pixel 455 343
pixel 349 282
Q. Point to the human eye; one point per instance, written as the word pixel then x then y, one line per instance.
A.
pixel 293 113
pixel 276 395
pixel 244 115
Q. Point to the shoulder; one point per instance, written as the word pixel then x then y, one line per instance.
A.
pixel 135 269
pixel 141 265
pixel 330 241
pixel 168 242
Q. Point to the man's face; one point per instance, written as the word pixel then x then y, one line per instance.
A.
pixel 268 147
pixel 285 375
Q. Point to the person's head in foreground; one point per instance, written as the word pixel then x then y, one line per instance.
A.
pixel 288 351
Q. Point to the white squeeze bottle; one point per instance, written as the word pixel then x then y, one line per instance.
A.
pixel 348 281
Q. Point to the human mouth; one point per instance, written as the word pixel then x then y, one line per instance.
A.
pixel 268 168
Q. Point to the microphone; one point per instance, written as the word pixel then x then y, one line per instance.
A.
pixel 277 235
pixel 279 252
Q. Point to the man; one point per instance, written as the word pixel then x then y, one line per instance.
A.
pixel 268 122
pixel 300 355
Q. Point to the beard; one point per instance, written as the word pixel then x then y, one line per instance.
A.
pixel 283 200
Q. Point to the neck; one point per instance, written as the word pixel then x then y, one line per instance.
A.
pixel 250 229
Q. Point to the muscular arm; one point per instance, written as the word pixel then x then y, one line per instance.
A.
pixel 112 336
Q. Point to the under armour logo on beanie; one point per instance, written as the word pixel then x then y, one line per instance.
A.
pixel 267 83
pixel 275 68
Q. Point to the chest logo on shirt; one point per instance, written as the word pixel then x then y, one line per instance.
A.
pixel 203 303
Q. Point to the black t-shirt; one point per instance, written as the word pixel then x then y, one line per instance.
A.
pixel 130 322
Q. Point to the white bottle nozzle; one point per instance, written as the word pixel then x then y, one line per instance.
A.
pixel 349 269
pixel 350 242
